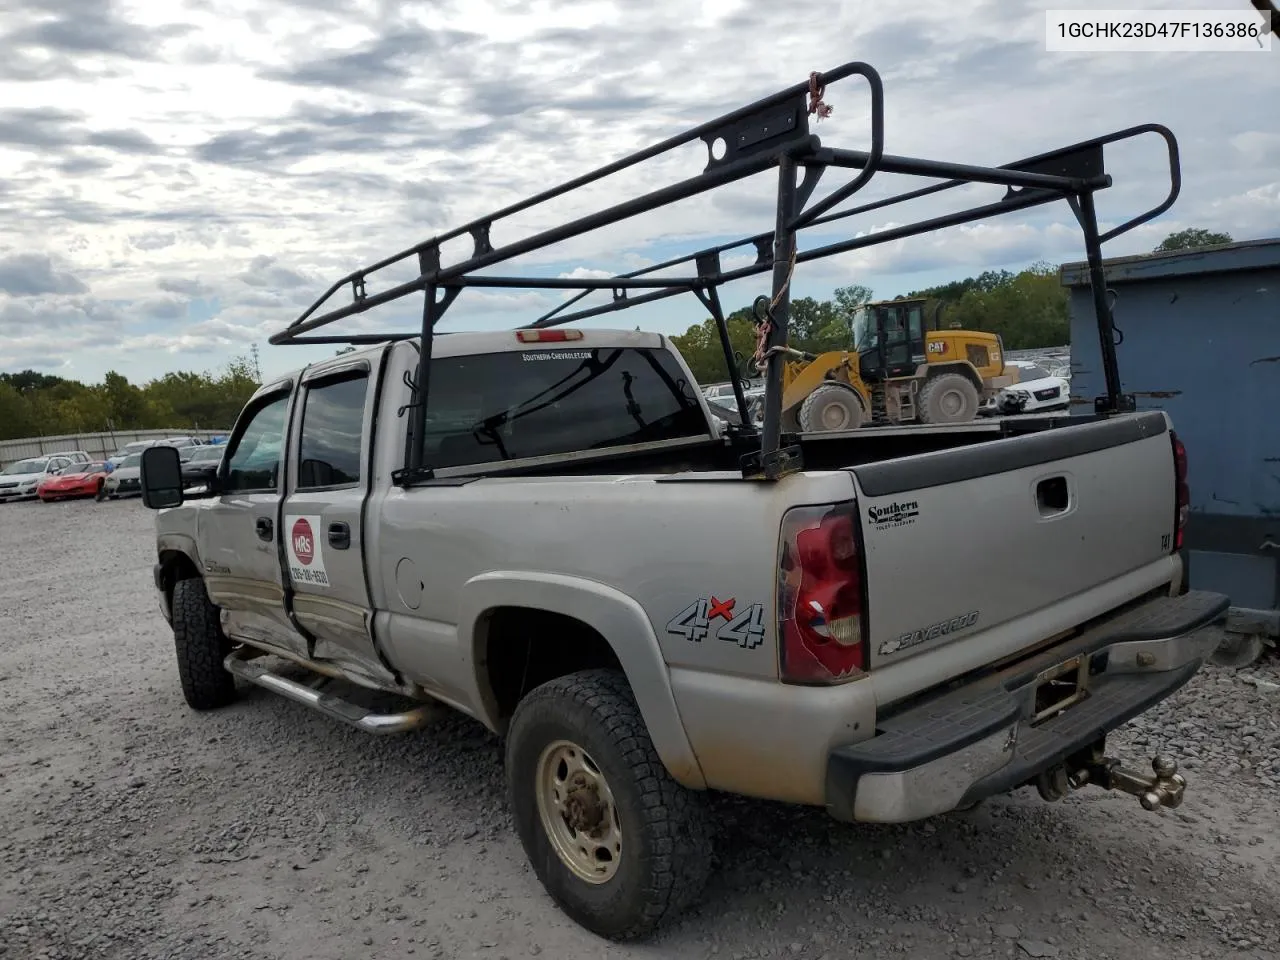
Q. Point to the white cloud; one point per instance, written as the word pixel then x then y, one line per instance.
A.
pixel 178 181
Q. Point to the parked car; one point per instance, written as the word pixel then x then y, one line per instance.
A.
pixel 73 480
pixel 201 464
pixel 78 456
pixel 20 479
pixel 123 481
pixel 1037 390
pixel 137 446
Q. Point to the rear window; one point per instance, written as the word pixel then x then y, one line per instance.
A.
pixel 534 403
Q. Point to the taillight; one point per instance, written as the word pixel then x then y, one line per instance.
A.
pixel 820 621
pixel 1184 491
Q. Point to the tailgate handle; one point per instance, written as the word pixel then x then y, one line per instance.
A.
pixel 1052 496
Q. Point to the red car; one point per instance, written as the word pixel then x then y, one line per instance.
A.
pixel 75 480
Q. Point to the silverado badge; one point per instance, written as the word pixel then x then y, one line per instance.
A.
pixel 942 628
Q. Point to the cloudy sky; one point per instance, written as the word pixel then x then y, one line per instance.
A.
pixel 178 180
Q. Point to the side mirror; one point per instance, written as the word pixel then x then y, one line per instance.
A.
pixel 161 477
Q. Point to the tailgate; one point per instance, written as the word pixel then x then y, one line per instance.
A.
pixel 960 541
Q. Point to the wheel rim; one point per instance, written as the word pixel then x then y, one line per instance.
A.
pixel 578 813
pixel 952 403
pixel 833 416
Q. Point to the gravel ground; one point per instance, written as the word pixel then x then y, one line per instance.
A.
pixel 132 827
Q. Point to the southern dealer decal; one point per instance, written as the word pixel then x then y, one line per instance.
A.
pixel 898 513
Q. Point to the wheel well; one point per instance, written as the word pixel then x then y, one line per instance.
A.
pixel 935 370
pixel 174 566
pixel 520 648
pixel 842 384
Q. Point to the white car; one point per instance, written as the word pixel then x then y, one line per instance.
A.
pixel 137 446
pixel 18 481
pixel 1037 390
pixel 126 479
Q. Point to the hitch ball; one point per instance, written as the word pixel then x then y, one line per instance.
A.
pixel 1167 788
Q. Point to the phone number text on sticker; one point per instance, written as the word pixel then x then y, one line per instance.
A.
pixel 303 575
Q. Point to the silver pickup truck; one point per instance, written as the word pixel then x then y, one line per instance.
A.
pixel 891 640
pixel 550 530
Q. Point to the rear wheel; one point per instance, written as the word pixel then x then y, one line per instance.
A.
pixel 616 842
pixel 830 407
pixel 948 398
pixel 201 647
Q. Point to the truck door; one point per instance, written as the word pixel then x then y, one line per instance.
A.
pixel 239 539
pixel 331 446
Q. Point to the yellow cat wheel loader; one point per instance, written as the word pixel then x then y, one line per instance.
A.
pixel 900 369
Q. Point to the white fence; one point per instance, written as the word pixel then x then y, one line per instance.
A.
pixel 96 445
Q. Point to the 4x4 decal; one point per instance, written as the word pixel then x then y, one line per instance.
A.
pixel 694 622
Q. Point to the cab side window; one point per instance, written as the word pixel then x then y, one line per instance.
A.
pixel 254 462
pixel 332 425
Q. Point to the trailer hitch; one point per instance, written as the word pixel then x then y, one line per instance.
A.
pixel 1163 788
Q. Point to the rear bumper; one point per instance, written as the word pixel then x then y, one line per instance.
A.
pixel 956 748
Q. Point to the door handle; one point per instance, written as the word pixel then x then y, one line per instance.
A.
pixel 339 535
pixel 264 526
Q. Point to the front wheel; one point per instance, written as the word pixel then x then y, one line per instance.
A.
pixel 948 398
pixel 830 407
pixel 618 844
pixel 201 647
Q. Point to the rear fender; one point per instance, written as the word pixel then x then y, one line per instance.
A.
pixel 616 617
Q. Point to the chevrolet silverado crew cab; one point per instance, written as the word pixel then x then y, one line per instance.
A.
pixel 651 626
pixel 550 530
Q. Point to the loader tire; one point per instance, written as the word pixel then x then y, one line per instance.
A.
pixel 830 407
pixel 201 647
pixel 615 841
pixel 948 398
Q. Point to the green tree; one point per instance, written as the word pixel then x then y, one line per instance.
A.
pixel 1028 310
pixel 123 402
pixel 1190 238
pixel 17 419
pixel 701 349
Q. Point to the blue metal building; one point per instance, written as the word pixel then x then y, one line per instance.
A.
pixel 1199 337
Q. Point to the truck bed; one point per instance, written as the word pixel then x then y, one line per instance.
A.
pixel 709 459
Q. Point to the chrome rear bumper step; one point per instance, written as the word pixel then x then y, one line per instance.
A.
pixel 243 664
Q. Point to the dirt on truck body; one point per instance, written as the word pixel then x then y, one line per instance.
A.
pixel 549 529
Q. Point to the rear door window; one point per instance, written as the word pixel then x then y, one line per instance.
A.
pixel 535 403
pixel 332 424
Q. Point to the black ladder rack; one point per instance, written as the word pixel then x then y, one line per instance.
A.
pixel 770 133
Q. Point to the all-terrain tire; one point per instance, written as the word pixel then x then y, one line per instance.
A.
pixel 667 837
pixel 201 647
pixel 948 398
pixel 830 407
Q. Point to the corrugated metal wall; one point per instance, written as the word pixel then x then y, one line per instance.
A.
pixel 97 445
pixel 1201 341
